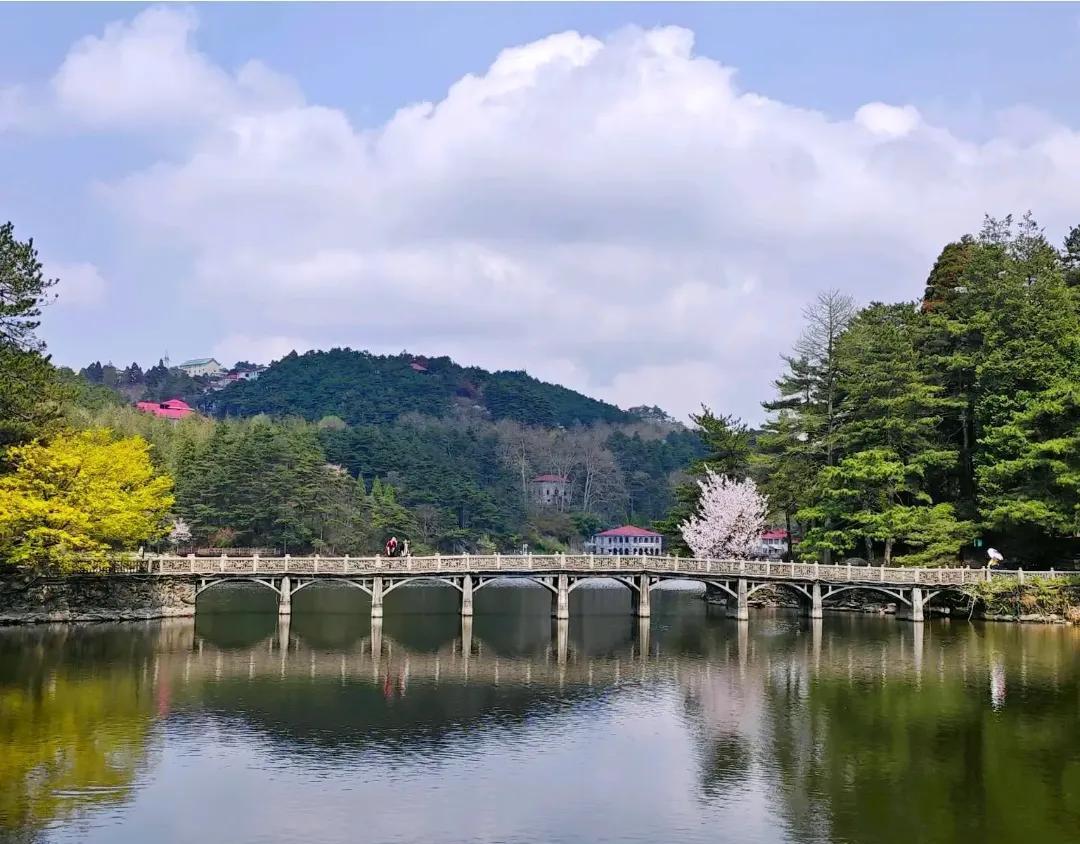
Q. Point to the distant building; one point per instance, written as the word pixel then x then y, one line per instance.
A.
pixel 418 365
pixel 625 541
pixel 201 366
pixel 773 543
pixel 550 490
pixel 170 409
pixel 248 374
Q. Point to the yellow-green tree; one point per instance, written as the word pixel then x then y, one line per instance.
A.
pixel 79 496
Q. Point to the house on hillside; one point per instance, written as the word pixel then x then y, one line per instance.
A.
pixel 550 490
pixel 625 541
pixel 170 409
pixel 772 544
pixel 201 366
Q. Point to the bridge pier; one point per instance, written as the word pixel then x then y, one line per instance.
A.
pixel 562 640
pixel 562 596
pixel 285 596
pixel 815 601
pixel 915 611
pixel 376 597
pixel 466 595
pixel 639 597
pixel 741 607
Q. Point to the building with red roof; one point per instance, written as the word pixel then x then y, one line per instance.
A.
pixel 627 540
pixel 773 543
pixel 170 409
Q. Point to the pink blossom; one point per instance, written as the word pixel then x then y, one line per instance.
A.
pixel 729 520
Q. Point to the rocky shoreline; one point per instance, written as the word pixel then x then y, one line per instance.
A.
pixel 47 600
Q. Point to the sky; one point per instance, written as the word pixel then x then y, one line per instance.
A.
pixel 636 201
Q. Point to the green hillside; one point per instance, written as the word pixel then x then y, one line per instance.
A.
pixel 364 389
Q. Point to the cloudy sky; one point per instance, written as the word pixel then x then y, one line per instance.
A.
pixel 635 201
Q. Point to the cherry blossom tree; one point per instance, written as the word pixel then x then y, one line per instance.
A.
pixel 729 520
pixel 180 533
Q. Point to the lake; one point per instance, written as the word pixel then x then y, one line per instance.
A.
pixel 510 727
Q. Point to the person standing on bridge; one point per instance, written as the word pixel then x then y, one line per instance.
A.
pixel 391 546
pixel 994 555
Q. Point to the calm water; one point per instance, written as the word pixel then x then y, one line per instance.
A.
pixel 511 728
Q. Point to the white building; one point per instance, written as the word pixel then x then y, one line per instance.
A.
pixel 772 544
pixel 201 366
pixel 626 541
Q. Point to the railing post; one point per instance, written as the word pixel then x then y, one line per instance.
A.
pixel 498 560
pixel 562 561
pixel 287 563
pixel 255 562
pixel 1051 571
pixel 592 561
pixel 345 564
pixel 315 564
pixel 221 562
pixel 742 567
pixel 191 562
pixel 816 571
pixel 849 571
pixel 1020 576
pixel 986 574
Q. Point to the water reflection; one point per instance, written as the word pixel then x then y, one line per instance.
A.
pixel 851 728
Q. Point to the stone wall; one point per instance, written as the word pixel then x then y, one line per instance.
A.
pixel 26 599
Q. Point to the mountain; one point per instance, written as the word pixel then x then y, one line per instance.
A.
pixel 361 389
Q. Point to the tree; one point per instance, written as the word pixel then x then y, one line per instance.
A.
pixel 180 533
pixel 726 441
pixel 23 290
pixel 729 520
pixel 79 496
pixel 30 399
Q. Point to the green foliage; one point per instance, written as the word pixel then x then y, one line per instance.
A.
pixel 953 419
pixel 1036 596
pixel 366 389
pixel 30 399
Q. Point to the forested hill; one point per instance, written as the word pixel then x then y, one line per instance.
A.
pixel 363 388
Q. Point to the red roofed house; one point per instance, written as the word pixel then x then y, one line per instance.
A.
pixel 550 490
pixel 170 409
pixel 773 543
pixel 627 540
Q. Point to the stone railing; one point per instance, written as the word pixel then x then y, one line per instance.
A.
pixel 551 563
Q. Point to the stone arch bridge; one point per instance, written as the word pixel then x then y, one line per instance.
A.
pixel 561 574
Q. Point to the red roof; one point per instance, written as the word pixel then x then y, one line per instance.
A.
pixel 555 479
pixel 417 367
pixel 779 533
pixel 169 409
pixel 628 530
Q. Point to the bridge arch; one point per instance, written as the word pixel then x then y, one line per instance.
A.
pixel 680 578
pixel 628 582
pixel 210 584
pixel 434 578
pixel 346 581
pixel 897 594
pixel 512 578
pixel 795 587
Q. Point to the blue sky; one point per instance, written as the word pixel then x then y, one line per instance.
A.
pixel 638 207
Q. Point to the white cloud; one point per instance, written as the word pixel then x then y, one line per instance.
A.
pixel 148 72
pixel 79 284
pixel 616 212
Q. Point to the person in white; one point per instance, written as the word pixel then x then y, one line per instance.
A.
pixel 994 555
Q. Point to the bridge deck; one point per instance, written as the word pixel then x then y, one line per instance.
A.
pixel 553 564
